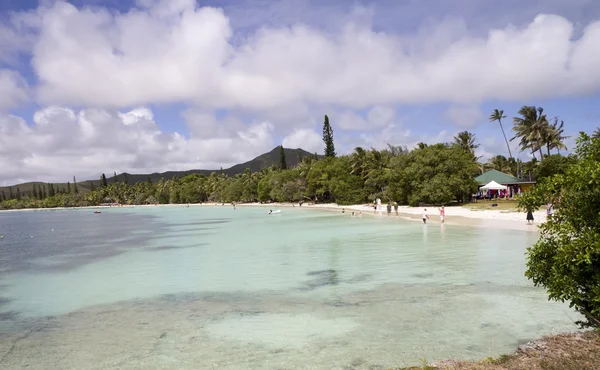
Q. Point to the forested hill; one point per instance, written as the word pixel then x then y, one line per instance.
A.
pixel 266 160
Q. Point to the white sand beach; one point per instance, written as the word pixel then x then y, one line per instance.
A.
pixel 456 215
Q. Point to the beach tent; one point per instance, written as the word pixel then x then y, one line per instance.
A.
pixel 493 185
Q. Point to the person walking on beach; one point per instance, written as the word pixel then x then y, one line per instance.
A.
pixel 442 214
pixel 396 208
pixel 389 209
pixel 425 216
pixel 529 217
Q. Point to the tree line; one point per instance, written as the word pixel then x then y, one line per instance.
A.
pixel 428 174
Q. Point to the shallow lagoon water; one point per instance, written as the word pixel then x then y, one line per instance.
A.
pixel 210 287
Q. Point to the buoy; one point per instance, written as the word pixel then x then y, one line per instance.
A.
pixel 32 236
pixel 52 229
pixel 1 236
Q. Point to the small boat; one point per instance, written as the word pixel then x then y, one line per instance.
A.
pixel 274 212
pixel 97 212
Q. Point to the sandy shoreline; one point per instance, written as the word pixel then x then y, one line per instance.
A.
pixel 510 220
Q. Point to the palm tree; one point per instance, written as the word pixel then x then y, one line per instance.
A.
pixel 596 134
pixel 531 128
pixel 376 169
pixel 554 136
pixel 358 161
pixel 305 166
pixel 497 115
pixel 466 140
pixel 421 145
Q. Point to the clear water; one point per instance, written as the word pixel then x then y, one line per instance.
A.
pixel 210 287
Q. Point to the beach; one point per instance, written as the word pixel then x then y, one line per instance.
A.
pixel 456 215
pixel 511 220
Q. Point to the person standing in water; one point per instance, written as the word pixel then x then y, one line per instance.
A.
pixel 442 214
pixel 425 216
pixel 389 209
pixel 396 208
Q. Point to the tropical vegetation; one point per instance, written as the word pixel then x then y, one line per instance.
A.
pixel 566 258
pixel 430 174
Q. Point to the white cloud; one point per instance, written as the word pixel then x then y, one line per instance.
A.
pixel 204 124
pixel 376 118
pixel 62 142
pixel 173 51
pixel 13 89
pixel 267 81
pixel 464 116
pixel 306 139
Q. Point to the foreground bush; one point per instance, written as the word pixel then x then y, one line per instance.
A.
pixel 566 258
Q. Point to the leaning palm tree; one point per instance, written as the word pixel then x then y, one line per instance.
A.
pixel 421 145
pixel 531 128
pixel 497 115
pixel 466 140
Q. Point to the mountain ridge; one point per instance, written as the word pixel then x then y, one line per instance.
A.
pixel 265 160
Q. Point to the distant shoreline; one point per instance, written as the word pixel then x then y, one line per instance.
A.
pixel 503 219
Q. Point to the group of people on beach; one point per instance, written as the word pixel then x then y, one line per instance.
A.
pixel 377 207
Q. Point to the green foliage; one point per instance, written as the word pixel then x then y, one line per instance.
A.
pixel 466 140
pixel 566 258
pixel 536 132
pixel 437 174
pixel 553 165
pixel 328 139
pixel 434 174
pixel 282 162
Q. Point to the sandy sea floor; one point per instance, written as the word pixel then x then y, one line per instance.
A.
pixel 363 329
pixel 265 331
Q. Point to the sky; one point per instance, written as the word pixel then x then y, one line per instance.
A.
pixel 97 86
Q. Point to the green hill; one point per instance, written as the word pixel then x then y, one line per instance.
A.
pixel 266 160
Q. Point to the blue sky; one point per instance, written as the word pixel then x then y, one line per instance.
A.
pixel 151 85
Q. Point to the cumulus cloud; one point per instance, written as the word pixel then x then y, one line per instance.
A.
pixel 61 142
pixel 464 116
pixel 240 90
pixel 176 51
pixel 376 118
pixel 306 139
pixel 13 89
pixel 205 124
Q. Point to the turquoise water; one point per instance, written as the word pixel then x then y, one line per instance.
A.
pixel 210 287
